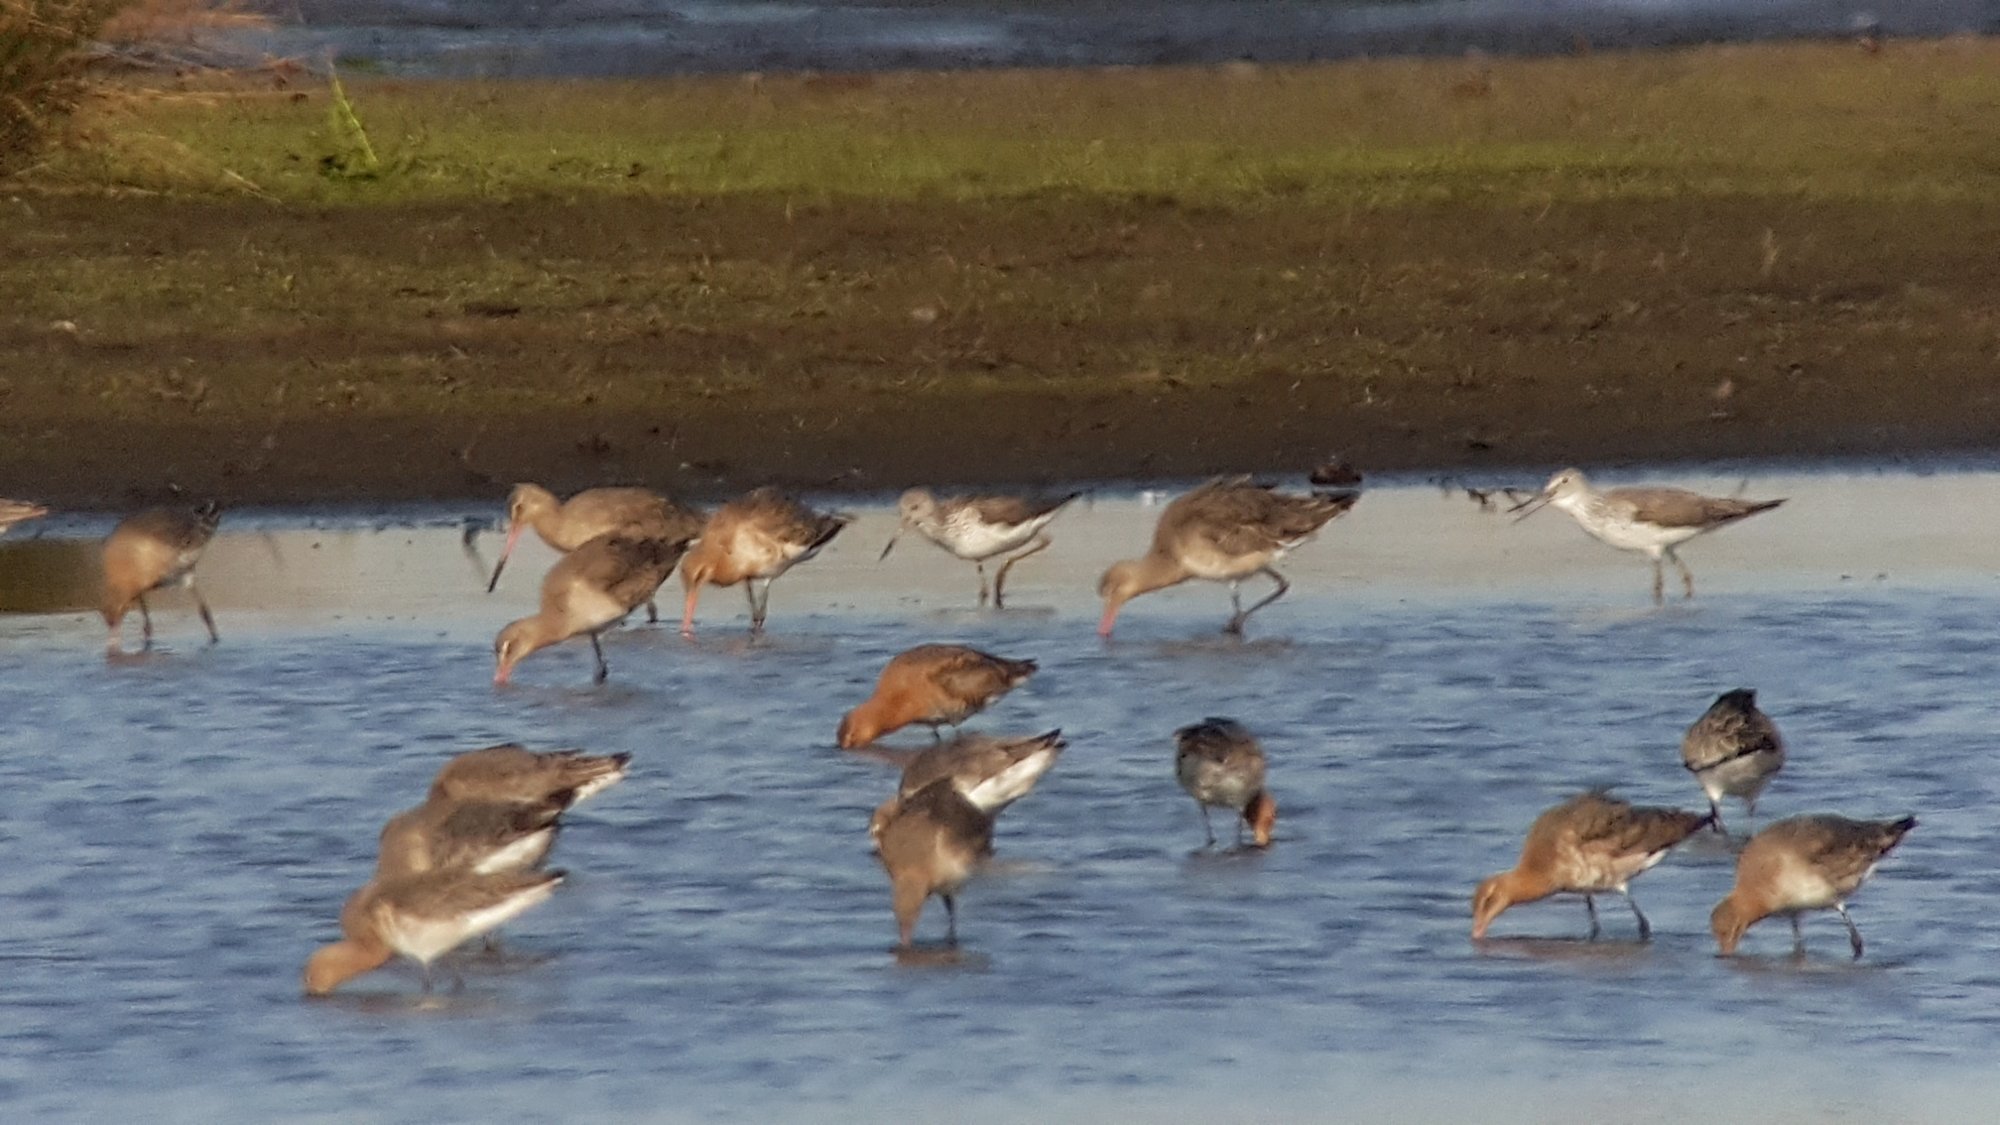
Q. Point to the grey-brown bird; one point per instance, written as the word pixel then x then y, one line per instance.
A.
pixel 512 773
pixel 936 685
pixel 1220 764
pixel 978 528
pixel 1589 845
pixel 1800 864
pixel 422 917
pixel 591 589
pixel 565 525
pixel 930 843
pixel 484 837
pixel 150 550
pixel 990 772
pixel 1733 750
pixel 1224 531
pixel 1652 521
pixel 754 539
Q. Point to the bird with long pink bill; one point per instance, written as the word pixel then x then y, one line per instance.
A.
pixel 565 525
pixel 1223 531
pixel 19 511
pixel 754 539
pixel 591 589
pixel 152 550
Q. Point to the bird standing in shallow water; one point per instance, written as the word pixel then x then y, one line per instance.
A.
pixel 18 511
pixel 1220 764
pixel 1224 531
pixel 1804 863
pixel 1652 521
pixel 754 538
pixel 1733 750
pixel 150 550
pixel 422 917
pixel 977 528
pixel 930 843
pixel 938 685
pixel 1589 845
pixel 565 525
pixel 589 590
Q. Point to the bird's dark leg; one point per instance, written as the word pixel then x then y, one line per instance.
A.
pixel 762 601
pixel 1645 927
pixel 207 618
pixel 1853 934
pixel 1798 936
pixel 1590 904
pixel 1715 817
pixel 1036 546
pixel 1659 584
pixel 1243 615
pixel 951 920
pixel 652 612
pixel 1687 576
pixel 146 623
pixel 1205 825
pixel 984 593
pixel 603 669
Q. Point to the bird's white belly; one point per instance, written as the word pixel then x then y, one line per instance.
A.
pixel 1627 535
pixel 1799 887
pixel 978 541
pixel 1738 777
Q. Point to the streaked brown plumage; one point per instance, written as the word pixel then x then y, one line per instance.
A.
pixel 1804 863
pixel 509 772
pixel 1219 763
pixel 1223 531
pixel 1733 750
pixel 937 684
pixel 485 837
pixel 930 843
pixel 977 528
pixel 754 538
pixel 990 772
pixel 421 917
pixel 589 590
pixel 565 525
pixel 151 549
pixel 1591 844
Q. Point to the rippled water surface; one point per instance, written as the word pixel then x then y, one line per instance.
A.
pixel 181 830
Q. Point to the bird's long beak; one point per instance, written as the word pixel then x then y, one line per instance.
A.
pixel 513 537
pixel 890 545
pixel 1110 618
pixel 1531 505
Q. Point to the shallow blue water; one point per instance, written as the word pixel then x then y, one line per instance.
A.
pixel 181 830
pixel 659 37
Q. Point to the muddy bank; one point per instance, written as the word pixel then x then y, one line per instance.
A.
pixel 878 345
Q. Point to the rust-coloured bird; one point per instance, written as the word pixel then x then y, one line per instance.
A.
pixel 937 685
pixel 1589 845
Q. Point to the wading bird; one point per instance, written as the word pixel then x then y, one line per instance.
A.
pixel 978 528
pixel 1589 845
pixel 1804 863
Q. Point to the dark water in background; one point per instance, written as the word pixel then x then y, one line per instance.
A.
pixel 526 38
pixel 180 831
